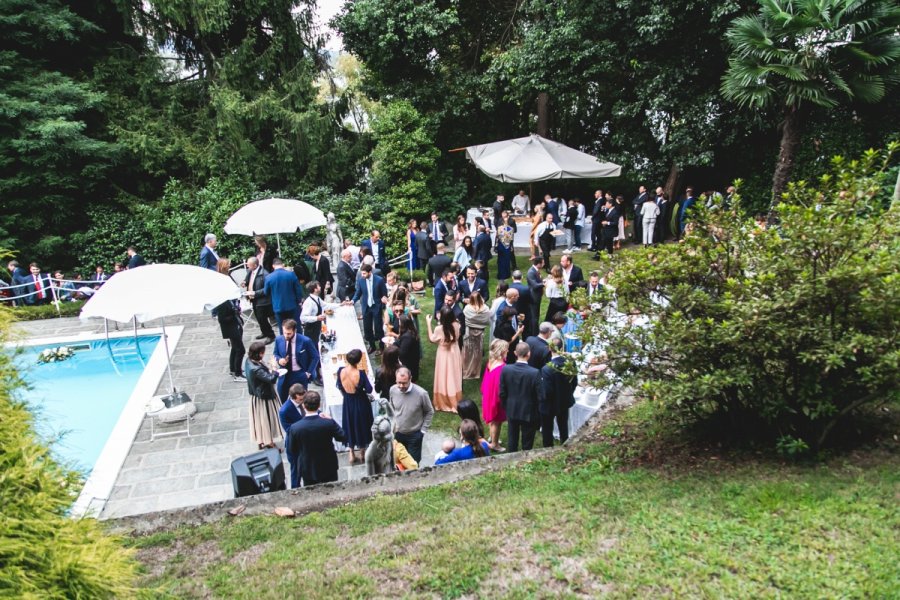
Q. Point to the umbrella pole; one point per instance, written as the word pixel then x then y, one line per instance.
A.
pixel 168 362
pixel 278 238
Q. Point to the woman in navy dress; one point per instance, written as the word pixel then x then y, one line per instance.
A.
pixel 411 246
pixel 357 419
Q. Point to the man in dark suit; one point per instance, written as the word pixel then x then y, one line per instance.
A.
pixel 523 305
pixel 437 232
pixel 498 209
pixel 296 353
pixel 538 346
pixel 446 286
pixel 38 288
pixel 424 250
pixel 636 204
pixel 255 284
pixel 208 256
pixel 521 393
pixel 597 216
pixel 311 441
pixel 135 260
pixel 684 212
pixel 482 245
pixel 665 214
pixel 371 293
pixel 284 290
pixel 610 225
pixel 322 270
pixel 535 287
pixel 472 285
pixel 437 264
pixel 98 277
pixel 18 279
pixel 559 396
pixel 289 413
pixel 572 274
pixel 346 277
pixel 376 246
pixel 594 286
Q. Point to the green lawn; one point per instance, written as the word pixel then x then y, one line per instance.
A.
pixel 586 522
pixel 448 422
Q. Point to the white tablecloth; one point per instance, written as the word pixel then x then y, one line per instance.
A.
pixel 581 411
pixel 349 337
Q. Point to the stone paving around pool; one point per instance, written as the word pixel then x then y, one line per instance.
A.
pixel 181 471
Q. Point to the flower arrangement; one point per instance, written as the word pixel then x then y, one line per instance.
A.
pixel 58 354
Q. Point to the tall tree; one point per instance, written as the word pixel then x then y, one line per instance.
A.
pixel 55 155
pixel 794 54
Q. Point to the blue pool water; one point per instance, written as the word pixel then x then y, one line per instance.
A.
pixel 81 398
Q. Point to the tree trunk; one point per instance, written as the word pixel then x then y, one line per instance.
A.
pixel 790 139
pixel 543 114
pixel 671 186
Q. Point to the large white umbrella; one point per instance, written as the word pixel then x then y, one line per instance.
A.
pixel 160 291
pixel 535 158
pixel 275 215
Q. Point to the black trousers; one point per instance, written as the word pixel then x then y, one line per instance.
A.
pixel 236 358
pixel 373 325
pixel 638 228
pixel 596 232
pixel 263 313
pixel 562 421
pixel 607 240
pixel 516 429
pixel 412 442
pixel 546 244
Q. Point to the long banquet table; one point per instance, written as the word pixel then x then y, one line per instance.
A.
pixel 345 324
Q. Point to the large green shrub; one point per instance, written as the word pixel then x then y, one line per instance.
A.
pixel 43 552
pixel 775 333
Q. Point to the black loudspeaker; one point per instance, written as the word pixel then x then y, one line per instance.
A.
pixel 258 473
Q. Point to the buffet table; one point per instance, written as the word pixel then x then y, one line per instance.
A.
pixel 345 324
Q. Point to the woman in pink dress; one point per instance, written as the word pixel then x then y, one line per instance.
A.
pixel 491 408
pixel 447 362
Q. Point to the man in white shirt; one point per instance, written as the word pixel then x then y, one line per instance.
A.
pixel 521 204
pixel 354 254
pixel 579 223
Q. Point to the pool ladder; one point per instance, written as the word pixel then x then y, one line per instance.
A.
pixel 121 354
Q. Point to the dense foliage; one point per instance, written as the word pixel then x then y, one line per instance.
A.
pixel 796 53
pixel 775 333
pixel 104 103
pixel 43 552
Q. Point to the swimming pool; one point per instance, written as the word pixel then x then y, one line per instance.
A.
pixel 92 404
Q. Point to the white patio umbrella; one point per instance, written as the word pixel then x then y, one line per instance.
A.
pixel 157 292
pixel 275 215
pixel 534 158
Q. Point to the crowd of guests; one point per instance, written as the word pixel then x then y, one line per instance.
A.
pixel 34 287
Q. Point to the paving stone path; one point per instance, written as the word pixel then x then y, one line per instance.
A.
pixel 181 471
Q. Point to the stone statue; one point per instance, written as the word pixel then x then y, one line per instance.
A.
pixel 380 453
pixel 334 242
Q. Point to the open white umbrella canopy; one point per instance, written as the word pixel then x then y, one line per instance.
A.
pixel 535 158
pixel 274 215
pixel 158 291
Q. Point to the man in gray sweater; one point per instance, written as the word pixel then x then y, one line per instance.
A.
pixel 412 413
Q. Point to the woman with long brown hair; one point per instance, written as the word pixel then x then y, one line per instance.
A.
pixel 264 404
pixel 478 318
pixel 471 447
pixel 447 362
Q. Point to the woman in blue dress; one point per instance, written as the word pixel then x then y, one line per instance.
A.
pixel 411 250
pixel 358 418
pixel 505 235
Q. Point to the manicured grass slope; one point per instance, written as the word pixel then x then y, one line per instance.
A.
pixel 574 525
